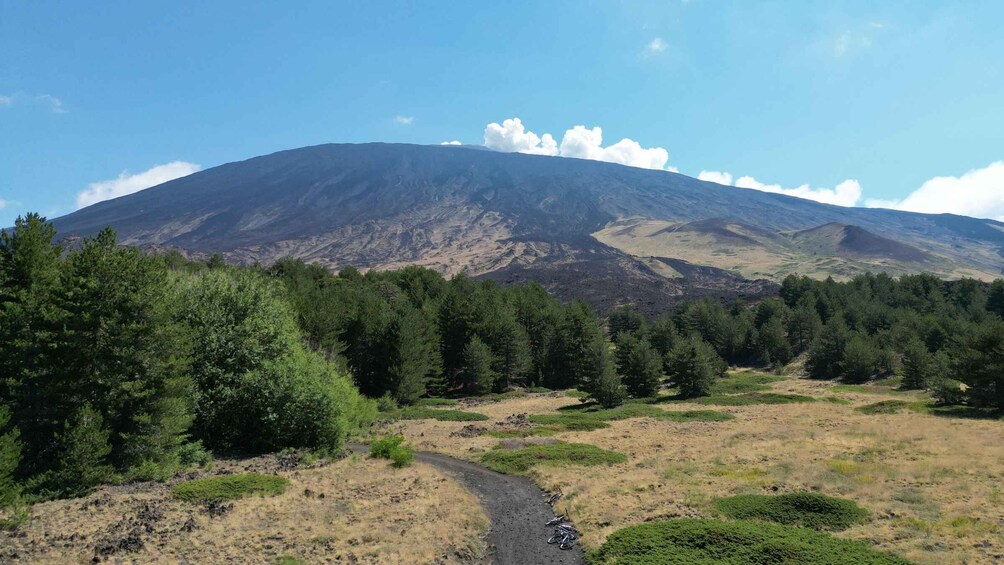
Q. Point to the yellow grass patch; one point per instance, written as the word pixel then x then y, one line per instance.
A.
pixel 369 513
pixel 929 482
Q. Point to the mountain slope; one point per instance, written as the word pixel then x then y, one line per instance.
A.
pixel 385 205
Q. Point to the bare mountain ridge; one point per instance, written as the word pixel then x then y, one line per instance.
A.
pixel 514 215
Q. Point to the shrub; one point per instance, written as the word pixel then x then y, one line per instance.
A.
pixel 947 392
pixel 423 413
pixel 689 541
pixel 402 456
pixel 435 402
pixel 194 454
pixel 754 398
pixel 230 487
pixel 519 461
pixel 809 510
pixel 386 403
pixel 381 448
pixel 579 418
pixel 883 407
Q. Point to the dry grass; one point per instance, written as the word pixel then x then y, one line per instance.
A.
pixel 932 484
pixel 369 513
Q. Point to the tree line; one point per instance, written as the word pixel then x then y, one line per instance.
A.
pixel 118 365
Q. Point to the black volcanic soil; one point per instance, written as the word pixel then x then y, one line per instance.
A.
pixel 517 509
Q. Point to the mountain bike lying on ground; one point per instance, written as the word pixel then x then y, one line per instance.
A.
pixel 564 535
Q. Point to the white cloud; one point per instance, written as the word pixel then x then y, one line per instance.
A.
pixel 404 120
pixel 715 176
pixel 580 142
pixel 51 102
pixel 55 104
pixel 4 203
pixel 454 142
pixel 978 193
pixel 849 42
pixel 128 184
pixel 656 45
pixel 847 193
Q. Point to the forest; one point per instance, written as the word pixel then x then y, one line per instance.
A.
pixel 117 366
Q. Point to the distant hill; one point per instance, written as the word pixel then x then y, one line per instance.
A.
pixel 586 229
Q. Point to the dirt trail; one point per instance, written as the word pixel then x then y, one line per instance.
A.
pixel 517 509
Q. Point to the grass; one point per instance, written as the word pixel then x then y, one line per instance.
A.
pixel 230 487
pixel 806 509
pixel 884 407
pixel 752 398
pixel 519 461
pixel 586 417
pixel 703 542
pixel 426 413
pixel 737 384
pixel 435 401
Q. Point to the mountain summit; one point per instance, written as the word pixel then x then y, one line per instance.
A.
pixel 585 228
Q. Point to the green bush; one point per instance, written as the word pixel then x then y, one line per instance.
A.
pixel 402 456
pixel 689 541
pixel 435 402
pixel 424 413
pixel 381 448
pixel 883 407
pixel 230 487
pixel 753 398
pixel 586 418
pixel 806 509
pixel 519 461
pixel 386 403
pixel 947 392
pixel 194 453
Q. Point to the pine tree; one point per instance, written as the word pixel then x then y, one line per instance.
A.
pixel 83 453
pixel 918 364
pixel 694 367
pixel 625 319
pixel 803 324
pixel 639 365
pixel 607 390
pixel 995 297
pixel 826 356
pixel 772 344
pixel 861 360
pixel 476 374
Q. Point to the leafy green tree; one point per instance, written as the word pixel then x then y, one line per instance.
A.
pixel 477 375
pixel 639 365
pixel 861 360
pixel 694 367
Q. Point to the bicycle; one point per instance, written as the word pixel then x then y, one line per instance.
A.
pixel 564 535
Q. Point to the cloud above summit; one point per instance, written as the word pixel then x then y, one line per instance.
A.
pixel 579 142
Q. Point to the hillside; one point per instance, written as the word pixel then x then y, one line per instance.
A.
pixel 588 228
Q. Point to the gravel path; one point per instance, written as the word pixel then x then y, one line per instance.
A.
pixel 517 509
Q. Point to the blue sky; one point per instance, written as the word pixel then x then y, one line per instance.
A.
pixel 902 99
